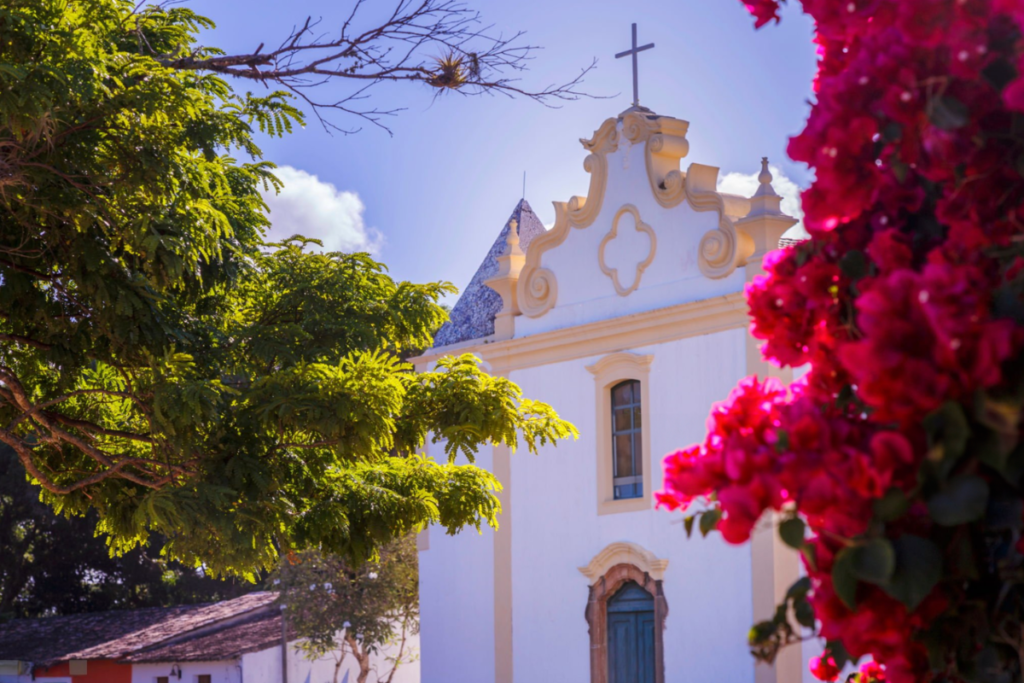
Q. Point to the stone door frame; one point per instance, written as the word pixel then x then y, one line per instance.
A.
pixel 597 617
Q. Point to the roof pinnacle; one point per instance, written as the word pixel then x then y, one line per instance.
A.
pixel 765 178
pixel 512 239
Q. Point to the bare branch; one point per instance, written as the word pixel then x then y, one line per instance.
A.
pixel 439 43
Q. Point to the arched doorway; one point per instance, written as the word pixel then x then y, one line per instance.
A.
pixel 631 635
pixel 628 578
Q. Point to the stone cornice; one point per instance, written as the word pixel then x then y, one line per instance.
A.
pixel 684 320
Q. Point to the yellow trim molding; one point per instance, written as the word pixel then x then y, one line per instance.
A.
pixel 661 325
pixel 613 273
pixel 662 153
pixel 721 250
pixel 537 288
pixel 624 553
pixel 503 660
pixel 608 372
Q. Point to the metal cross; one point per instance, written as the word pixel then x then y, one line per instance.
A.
pixel 634 52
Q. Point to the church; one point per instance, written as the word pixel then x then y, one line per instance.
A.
pixel 627 316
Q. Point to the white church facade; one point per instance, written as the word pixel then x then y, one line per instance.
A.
pixel 628 317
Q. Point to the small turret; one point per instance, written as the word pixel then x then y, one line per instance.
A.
pixel 765 223
pixel 766 201
pixel 510 263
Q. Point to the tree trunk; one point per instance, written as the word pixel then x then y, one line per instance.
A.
pixel 362 658
pixel 337 664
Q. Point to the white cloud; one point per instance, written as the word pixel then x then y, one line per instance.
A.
pixel 311 207
pixel 746 184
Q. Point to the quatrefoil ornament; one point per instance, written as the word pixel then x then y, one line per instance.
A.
pixel 629 256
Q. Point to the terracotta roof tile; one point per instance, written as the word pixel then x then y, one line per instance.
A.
pixel 114 634
pixel 259 633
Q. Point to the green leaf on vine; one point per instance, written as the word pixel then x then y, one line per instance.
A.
pixel 792 532
pixel 948 432
pixel 844 581
pixel 838 652
pixel 760 632
pixel 804 613
pixel 964 500
pixel 891 506
pixel 892 131
pixel 810 554
pixel 874 561
pixel 708 521
pixel 1000 73
pixel 918 569
pixel 800 588
pixel 854 264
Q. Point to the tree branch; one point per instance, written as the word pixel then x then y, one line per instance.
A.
pixel 145 472
pixel 440 43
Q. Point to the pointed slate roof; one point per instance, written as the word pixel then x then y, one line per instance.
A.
pixel 474 312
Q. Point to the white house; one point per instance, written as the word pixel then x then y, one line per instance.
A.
pixel 628 317
pixel 235 641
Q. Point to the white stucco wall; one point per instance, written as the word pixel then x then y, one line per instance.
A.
pixel 556 528
pixel 265 667
pixel 221 672
pixel 457 601
pixel 554 517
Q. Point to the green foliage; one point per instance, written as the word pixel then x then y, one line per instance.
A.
pixel 767 637
pixel 706 520
pixel 161 365
pixel 792 532
pixel 970 482
pixel 51 564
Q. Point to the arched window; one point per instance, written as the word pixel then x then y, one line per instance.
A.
pixel 622 436
pixel 627 441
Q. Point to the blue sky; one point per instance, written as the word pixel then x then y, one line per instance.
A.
pixel 431 199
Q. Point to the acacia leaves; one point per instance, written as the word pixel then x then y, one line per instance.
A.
pixel 458 402
pixel 161 364
pixel 274 437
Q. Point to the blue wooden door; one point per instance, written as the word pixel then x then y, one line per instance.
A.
pixel 631 636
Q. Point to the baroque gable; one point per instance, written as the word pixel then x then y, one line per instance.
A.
pixel 685 239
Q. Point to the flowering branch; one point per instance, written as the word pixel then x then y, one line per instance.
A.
pixel 897 460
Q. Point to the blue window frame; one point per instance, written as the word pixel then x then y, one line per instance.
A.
pixel 627 441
